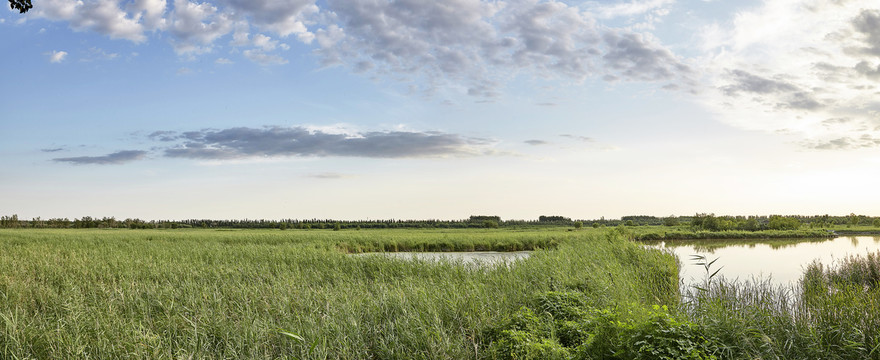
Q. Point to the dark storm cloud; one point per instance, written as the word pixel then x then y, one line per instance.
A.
pixel 117 158
pixel 242 142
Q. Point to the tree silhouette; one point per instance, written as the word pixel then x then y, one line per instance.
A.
pixel 21 5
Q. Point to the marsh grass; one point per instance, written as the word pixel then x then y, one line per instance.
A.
pixel 150 294
pixel 203 294
pixel 833 313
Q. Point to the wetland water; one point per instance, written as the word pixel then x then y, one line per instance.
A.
pixel 471 257
pixel 782 261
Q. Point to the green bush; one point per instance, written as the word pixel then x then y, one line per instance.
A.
pixel 567 327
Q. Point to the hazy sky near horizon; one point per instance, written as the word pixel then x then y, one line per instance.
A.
pixel 414 109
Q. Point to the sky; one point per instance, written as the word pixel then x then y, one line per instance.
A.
pixel 427 109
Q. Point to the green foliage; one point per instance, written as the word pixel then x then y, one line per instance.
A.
pixel 557 219
pixel 567 327
pixel 10 222
pixel 578 224
pixel 783 223
pixel 663 336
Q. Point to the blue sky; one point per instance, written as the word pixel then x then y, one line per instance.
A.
pixel 412 109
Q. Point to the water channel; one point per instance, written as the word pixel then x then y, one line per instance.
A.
pixel 470 257
pixel 780 261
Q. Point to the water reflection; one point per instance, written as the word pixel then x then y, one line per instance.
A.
pixel 780 260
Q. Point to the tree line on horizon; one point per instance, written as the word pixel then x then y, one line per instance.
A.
pixel 700 221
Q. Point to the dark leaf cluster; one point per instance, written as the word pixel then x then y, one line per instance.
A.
pixel 21 5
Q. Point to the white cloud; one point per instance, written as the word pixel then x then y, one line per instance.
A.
pixel 284 17
pixel 480 45
pixel 626 9
pixel 95 54
pixel 223 61
pixel 471 47
pixel 102 16
pixel 57 56
pixel 263 58
pixel 806 68
pixel 151 11
pixel 264 42
pixel 197 25
pixel 241 36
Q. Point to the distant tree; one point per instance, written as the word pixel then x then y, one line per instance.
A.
pixel 853 219
pixel 490 224
pixel 578 224
pixel 672 220
pixel 709 222
pixel 783 223
pixel 10 221
pixel 630 223
pixel 751 224
pixel 544 218
pixel 480 218
pixel 21 5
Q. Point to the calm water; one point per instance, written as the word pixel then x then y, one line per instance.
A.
pixel 471 257
pixel 782 261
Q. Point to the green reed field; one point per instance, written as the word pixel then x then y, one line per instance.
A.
pixel 211 294
pixel 297 294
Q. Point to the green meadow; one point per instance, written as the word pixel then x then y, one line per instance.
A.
pixel 300 294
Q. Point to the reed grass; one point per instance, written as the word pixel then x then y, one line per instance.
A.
pixel 833 313
pixel 202 294
pixel 260 294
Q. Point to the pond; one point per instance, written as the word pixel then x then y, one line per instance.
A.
pixel 781 261
pixel 470 257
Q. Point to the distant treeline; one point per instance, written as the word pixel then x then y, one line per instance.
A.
pixel 700 221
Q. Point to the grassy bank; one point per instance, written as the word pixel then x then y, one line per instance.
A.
pixel 68 294
pixel 648 233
